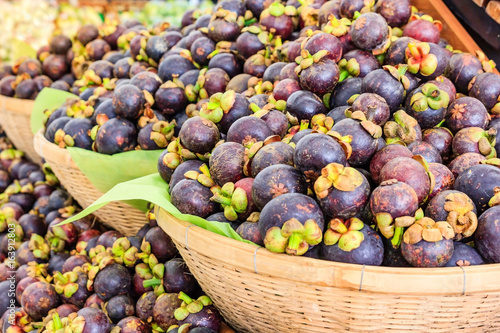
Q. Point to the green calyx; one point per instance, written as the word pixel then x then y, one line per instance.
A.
pixel 337 27
pixel 203 177
pixel 124 252
pixel 337 176
pixel 495 199
pixel 398 72
pixel 162 132
pixel 293 237
pixel 39 247
pixel 486 140
pixel 151 270
pixel 233 200
pixel 66 284
pixel 430 97
pixel 218 105
pixel 348 68
pixel 70 324
pixel 322 123
pixel 190 306
pixel 306 60
pixel 420 60
pixel 276 9
pixel 402 129
pixel 346 234
pixel 374 130
pixel 344 141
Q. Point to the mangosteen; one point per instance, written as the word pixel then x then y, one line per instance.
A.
pixel 404 128
pixel 351 241
pixel 443 178
pixel 198 313
pixel 271 154
pixel 38 298
pixel 440 138
pixel 276 16
pixel 462 68
pixel 72 287
pixel 173 65
pixel 128 101
pixel 467 112
pixel 199 135
pixel 228 62
pixel 464 255
pixel 226 163
pixel 396 12
pixel 387 83
pixel 133 325
pixel 369 31
pixel 427 104
pixel 111 281
pixel 423 30
pixel 426 150
pixel 304 105
pixel 385 155
pixel 475 140
pixel 427 243
pixel 116 135
pixel 291 223
pixel 170 98
pixel 486 88
pixel 164 308
pixel 76 133
pixel 96 321
pixel 192 195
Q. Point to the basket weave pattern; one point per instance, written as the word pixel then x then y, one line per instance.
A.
pixel 15 117
pixel 118 215
pixel 307 295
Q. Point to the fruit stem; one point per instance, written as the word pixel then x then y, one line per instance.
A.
pixel 151 283
pixel 57 321
pixel 59 277
pixel 398 235
pixel 294 241
pixel 183 296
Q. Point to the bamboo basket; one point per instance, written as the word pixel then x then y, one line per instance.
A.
pixel 260 291
pixel 15 117
pixel 117 215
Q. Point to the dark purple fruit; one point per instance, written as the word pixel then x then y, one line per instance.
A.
pixel 201 49
pixel 191 197
pixel 466 112
pixel 7 86
pixel 291 223
pixel 148 81
pixel 72 287
pixel 133 325
pixel 56 262
pixel 111 281
pixel 226 61
pixel 248 130
pixel 144 306
pixel 422 30
pixel 170 98
pixel 76 133
pixel 315 151
pixel 457 209
pixel 409 171
pixel 320 77
pixel 427 60
pixel 486 88
pixel 178 173
pixel 128 101
pixel 396 12
pixel 38 299
pixel 462 68
pixel 304 105
pixel 94 299
pixel 173 65
pixel 74 261
pixel 32 67
pixel 26 90
pixel 32 224
pixel 122 68
pixel 427 104
pixel 96 321
pixel 199 135
pixel 324 41
pixel 274 17
pixel 276 180
pixel 178 278
pixel 359 63
pixel 161 244
pixel 250 231
pixel 441 139
pixel 425 150
pixel 87 33
pixel 487 236
pixel 370 31
pixel 96 49
pixel 353 242
pixel 443 178
pixel 464 255
pixel 164 308
pixel 119 307
pixel 272 154
pixel 22 285
pixel 475 140
pixel 116 136
pixel 430 248
pixel 479 183
pixel 226 163
pixel 383 83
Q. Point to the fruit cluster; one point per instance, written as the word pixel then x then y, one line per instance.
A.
pixel 338 130
pixel 82 277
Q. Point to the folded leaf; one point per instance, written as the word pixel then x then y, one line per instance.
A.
pixel 48 98
pixel 153 189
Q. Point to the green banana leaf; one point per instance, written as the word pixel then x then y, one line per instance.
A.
pixel 153 189
pixel 103 171
pixel 48 98
pixel 21 48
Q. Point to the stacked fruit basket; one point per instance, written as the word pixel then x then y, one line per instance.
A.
pixel 319 166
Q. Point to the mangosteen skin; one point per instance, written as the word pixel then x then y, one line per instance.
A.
pixel 479 182
pixel 370 252
pixel 272 154
pixel 226 163
pixel 393 256
pixel 426 150
pixel 117 135
pixel 363 144
pixel 95 320
pixel 144 306
pixel 462 68
pixel 38 299
pixel 369 31
pixel 277 122
pixel 444 179
pixel 119 307
pixel 190 197
pixel 288 206
pixel 251 232
pixel 385 155
pixel 56 262
pixel 465 161
pixel 428 254
pixel 163 311
pixel 487 235
pixel 173 65
pixel 304 105
pixel 241 108
pixel 486 88
pixel 345 90
pixel 178 277
pixel 315 151
pixel 248 130
pixel 178 174
pixel 464 253
pixel 111 281
pixel 199 135
pixel 133 325
pixel 382 83
pixel 466 112
pixel 277 180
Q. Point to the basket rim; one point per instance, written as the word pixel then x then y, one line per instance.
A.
pixel 235 255
pixel 58 155
pixel 16 105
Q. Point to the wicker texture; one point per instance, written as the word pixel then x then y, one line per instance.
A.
pixel 118 215
pixel 15 117
pixel 259 291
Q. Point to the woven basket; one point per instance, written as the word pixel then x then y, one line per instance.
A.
pixel 15 117
pixel 260 291
pixel 117 215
